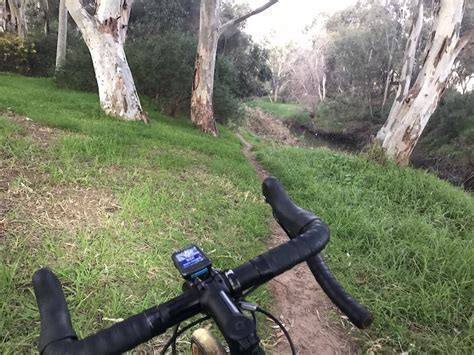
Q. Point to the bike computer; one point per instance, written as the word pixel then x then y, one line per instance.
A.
pixel 191 262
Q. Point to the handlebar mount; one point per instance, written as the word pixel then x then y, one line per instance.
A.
pixel 214 292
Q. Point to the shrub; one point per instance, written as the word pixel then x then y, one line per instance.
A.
pixel 375 153
pixel 15 54
pixel 226 105
pixel 43 61
pixel 162 67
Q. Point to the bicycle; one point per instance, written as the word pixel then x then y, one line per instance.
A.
pixel 219 294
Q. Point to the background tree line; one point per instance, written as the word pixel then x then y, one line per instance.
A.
pixel 378 68
pixel 365 66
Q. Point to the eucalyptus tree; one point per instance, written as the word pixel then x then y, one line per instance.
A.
pixel 414 104
pixel 62 35
pixel 210 29
pixel 17 16
pixel 104 31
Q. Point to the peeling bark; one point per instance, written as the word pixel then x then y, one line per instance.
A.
pixel 413 108
pixel 104 34
pixel 210 29
pixel 203 82
pixel 18 17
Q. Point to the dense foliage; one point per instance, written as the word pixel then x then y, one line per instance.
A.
pixel 16 54
pixel 447 145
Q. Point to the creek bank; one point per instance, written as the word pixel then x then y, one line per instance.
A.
pixel 352 139
pixel 458 173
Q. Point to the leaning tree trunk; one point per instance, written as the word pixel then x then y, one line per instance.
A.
pixel 104 34
pixel 406 73
pixel 202 113
pixel 62 36
pixel 413 106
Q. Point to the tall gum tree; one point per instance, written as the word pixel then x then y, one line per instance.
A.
pixel 414 105
pixel 18 16
pixel 210 29
pixel 104 33
pixel 62 36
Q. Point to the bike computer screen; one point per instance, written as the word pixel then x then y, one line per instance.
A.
pixel 191 262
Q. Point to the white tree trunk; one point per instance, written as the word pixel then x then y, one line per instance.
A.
pixel 62 35
pixel 275 93
pixel 407 69
pixel 388 80
pixel 413 107
pixel 324 86
pixel 104 34
pixel 18 16
pixel 202 114
pixel 210 29
pixel 3 16
pixel 45 12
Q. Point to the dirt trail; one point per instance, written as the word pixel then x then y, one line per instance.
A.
pixel 300 303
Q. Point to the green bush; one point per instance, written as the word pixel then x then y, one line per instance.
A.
pixel 347 109
pixel 226 105
pixel 163 69
pixel 454 115
pixel 448 139
pixel 43 61
pixel 34 56
pixel 15 54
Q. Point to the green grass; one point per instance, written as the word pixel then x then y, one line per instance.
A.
pixel 283 111
pixel 402 240
pixel 402 243
pixel 173 186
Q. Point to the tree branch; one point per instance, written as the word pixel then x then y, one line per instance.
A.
pixel 238 20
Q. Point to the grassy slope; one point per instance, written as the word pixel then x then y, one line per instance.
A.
pixel 402 242
pixel 284 111
pixel 174 186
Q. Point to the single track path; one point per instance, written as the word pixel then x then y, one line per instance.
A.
pixel 299 302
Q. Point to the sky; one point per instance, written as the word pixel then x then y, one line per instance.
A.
pixel 285 21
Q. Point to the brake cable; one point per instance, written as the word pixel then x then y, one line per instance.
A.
pixel 254 308
pixel 177 333
pixel 245 305
pixel 282 327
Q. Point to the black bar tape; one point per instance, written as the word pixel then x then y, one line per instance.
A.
pixel 291 217
pixel 54 314
pixel 356 313
pixel 58 337
pixel 274 262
